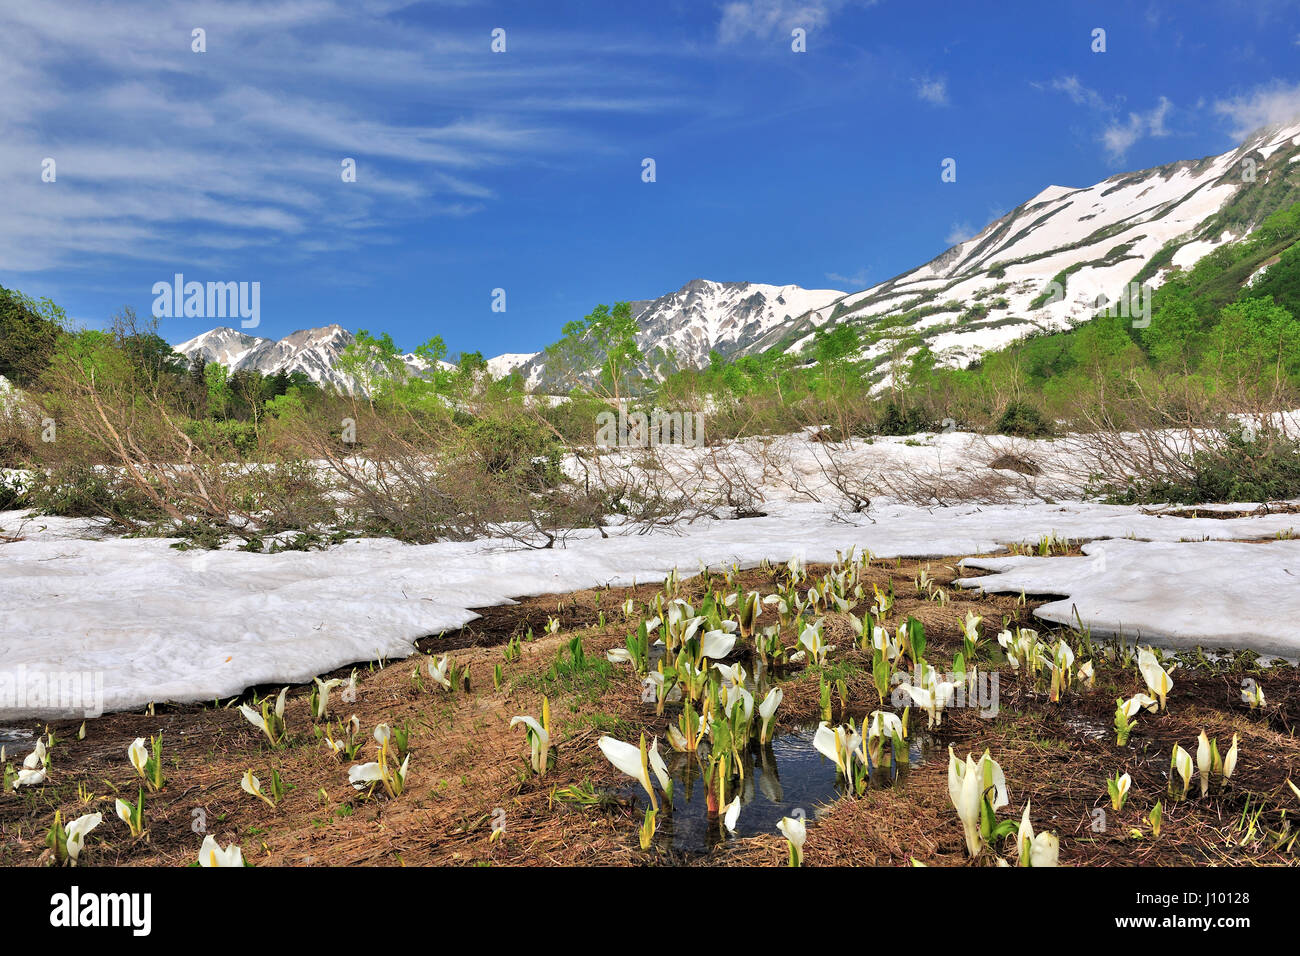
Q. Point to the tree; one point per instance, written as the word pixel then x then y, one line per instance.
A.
pixel 29 333
pixel 605 342
pixel 374 363
pixel 1257 343
pixel 216 378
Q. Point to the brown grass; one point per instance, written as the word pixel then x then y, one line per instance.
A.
pixel 467 765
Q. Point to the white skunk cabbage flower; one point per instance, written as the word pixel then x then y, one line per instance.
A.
pixel 1230 761
pixel 767 711
pixel 77 831
pixel 931 700
pixel 36 759
pixel 29 778
pixel 1157 678
pixel 438 671
pixel 811 638
pixel 731 814
pixel 717 644
pixel 1087 674
pixel 323 688
pixel 1046 850
pixel 251 785
pixel 738 695
pixel 1181 761
pixel 211 854
pixel 883 726
pixel 837 745
pixel 1041 850
pixel 1118 789
pixel 138 754
pixel 538 739
pixel 659 767
pixel 1139 702
pixel 1025 837
pixel 250 715
pixel 363 775
pixel 618 655
pixel 1252 694
pixel 881 641
pixel 382 733
pixel 966 790
pixel 1204 762
pixel 796 831
pixel 633 761
pixel 677 739
pixel 733 674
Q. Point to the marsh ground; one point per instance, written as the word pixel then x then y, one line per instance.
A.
pixel 469 774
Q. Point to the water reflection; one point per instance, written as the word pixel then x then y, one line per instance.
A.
pixel 784 779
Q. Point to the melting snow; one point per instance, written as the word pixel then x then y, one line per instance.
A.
pixel 161 624
pixel 1181 593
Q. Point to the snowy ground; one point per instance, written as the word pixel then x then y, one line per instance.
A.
pixel 157 624
pixel 1181 593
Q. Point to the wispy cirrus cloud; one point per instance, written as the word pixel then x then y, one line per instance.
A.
pixel 933 90
pixel 851 283
pixel 1266 105
pixel 1120 136
pixel 959 233
pixel 1120 129
pixel 765 19
pixel 168 154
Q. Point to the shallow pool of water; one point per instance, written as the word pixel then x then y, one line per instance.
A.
pixel 17 743
pixel 789 778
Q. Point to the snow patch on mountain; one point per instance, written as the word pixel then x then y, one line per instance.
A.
pixel 988 291
pixel 313 352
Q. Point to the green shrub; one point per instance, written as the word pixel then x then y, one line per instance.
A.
pixel 223 437
pixel 516 447
pixel 12 492
pixel 1239 467
pixel 895 420
pixel 1023 420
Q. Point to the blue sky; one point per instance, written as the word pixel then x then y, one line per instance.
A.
pixel 522 170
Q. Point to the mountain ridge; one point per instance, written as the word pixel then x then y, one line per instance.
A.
pixel 978 295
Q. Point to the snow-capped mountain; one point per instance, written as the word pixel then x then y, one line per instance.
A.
pixel 1091 242
pixel 1043 266
pixel 680 329
pixel 727 317
pixel 500 366
pixel 314 352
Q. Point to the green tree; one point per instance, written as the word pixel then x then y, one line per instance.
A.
pixel 603 341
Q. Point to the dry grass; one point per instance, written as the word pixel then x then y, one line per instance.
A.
pixel 468 767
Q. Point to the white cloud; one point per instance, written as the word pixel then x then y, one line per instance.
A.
pixel 1120 136
pixel 1266 105
pixel 933 90
pixel 179 157
pixel 959 233
pixel 765 19
pixel 860 280
pixel 1121 131
pixel 1080 94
